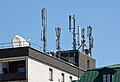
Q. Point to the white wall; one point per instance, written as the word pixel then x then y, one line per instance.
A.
pixel 15 81
pixel 39 72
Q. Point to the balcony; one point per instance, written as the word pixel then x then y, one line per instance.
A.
pixel 12 70
pixel 13 76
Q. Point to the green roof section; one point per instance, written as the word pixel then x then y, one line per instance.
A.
pixel 96 75
pixel 89 76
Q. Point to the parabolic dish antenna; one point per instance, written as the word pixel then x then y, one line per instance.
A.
pixel 19 41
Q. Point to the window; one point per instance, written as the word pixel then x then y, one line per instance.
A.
pixel 5 70
pixel 104 78
pixel 50 74
pixel 107 78
pixel 21 69
pixel 17 66
pixel 88 64
pixel 70 79
pixel 62 78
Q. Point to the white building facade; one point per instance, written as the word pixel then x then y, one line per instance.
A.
pixel 26 64
pixel 38 71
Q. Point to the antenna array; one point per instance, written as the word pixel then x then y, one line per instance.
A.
pixel 58 32
pixel 89 35
pixel 83 39
pixel 44 28
pixel 72 29
pixel 78 36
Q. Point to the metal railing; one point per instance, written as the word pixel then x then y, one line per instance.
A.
pixel 36 47
pixel 13 76
pixel 20 44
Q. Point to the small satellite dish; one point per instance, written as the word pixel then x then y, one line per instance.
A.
pixel 19 41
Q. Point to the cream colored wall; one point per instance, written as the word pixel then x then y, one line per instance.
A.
pixel 39 72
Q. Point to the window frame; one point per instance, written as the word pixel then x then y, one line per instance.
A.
pixel 50 74
pixel 62 77
pixel 88 64
pixel 70 78
pixel 107 78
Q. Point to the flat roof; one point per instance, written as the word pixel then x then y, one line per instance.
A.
pixel 40 56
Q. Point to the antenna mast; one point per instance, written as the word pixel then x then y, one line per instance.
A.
pixel 73 30
pixel 58 32
pixel 78 36
pixel 89 34
pixel 83 39
pixel 44 28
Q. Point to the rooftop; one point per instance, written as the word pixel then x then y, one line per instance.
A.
pixel 39 56
pixel 95 75
pixel 64 61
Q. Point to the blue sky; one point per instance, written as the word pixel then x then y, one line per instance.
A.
pixel 23 17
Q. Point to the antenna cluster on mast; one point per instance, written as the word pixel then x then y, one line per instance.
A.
pixel 44 29
pixel 58 32
pixel 73 30
pixel 78 42
pixel 89 35
pixel 83 39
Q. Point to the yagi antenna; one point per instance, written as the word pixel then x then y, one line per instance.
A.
pixel 58 32
pixel 44 26
pixel 91 41
pixel 72 29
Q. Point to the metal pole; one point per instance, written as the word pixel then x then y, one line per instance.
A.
pixel 44 25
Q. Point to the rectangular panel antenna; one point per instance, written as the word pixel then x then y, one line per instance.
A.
pixel 69 22
pixel 74 21
pixel 83 39
pixel 91 42
pixel 89 31
pixel 43 16
pixel 78 36
pixel 83 33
